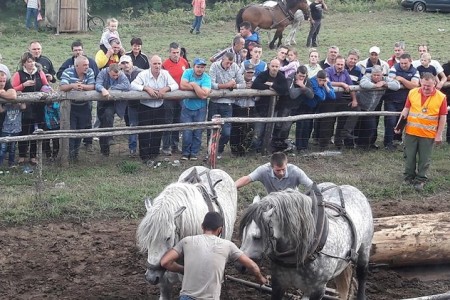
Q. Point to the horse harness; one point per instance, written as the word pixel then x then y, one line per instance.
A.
pixel 288 258
pixel 208 192
pixel 287 13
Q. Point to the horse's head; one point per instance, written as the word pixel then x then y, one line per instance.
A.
pixel 157 236
pixel 295 5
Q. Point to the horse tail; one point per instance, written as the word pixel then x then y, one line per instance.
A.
pixel 239 19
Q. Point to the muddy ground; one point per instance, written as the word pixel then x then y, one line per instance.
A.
pixel 99 260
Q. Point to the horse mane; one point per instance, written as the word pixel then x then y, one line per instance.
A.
pixel 293 210
pixel 161 215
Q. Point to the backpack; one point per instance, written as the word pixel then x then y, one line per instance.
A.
pixel 51 113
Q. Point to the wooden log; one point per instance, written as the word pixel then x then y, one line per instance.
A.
pixel 444 296
pixel 412 240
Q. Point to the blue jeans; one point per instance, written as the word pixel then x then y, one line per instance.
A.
pixel 197 23
pixel 192 139
pixel 391 121
pixel 184 297
pixel 133 120
pixel 31 17
pixel 225 111
pixel 8 147
pixel 303 128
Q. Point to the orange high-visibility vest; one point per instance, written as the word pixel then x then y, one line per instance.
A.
pixel 423 119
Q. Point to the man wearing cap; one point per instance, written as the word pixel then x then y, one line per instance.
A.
pixel 243 107
pixel 204 280
pixel 225 74
pixel 111 56
pixel 409 77
pixel 277 175
pixel 156 82
pixel 110 78
pixel 194 109
pixel 131 114
pixel 176 65
pixel 373 60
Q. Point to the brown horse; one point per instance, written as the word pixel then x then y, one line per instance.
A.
pixel 278 17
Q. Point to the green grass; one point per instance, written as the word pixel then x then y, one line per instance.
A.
pixel 116 187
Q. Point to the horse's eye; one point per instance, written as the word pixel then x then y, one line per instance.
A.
pixel 168 239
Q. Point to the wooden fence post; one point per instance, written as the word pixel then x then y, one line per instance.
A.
pixel 64 125
pixel 269 127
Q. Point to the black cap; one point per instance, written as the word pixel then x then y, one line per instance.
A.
pixel 212 221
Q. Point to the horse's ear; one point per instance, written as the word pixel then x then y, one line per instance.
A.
pixel 148 203
pixel 268 214
pixel 179 212
pixel 257 198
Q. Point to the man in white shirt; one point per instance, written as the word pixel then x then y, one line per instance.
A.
pixel 156 82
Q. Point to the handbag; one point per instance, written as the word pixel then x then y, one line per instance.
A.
pixel 39 16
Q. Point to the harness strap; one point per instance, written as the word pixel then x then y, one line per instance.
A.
pixel 321 234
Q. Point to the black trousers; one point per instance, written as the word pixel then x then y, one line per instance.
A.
pixel 149 142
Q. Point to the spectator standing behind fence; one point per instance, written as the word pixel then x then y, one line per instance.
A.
pixel 446 68
pixel 78 78
pixel 408 76
pixel 399 49
pixel 139 59
pixel 271 79
pixel 12 126
pixel 367 64
pixel 330 60
pixel 293 64
pixel 442 78
pixel 316 8
pixel 156 82
pixel 35 49
pixel 33 8
pixel 4 69
pixel 199 9
pixel 52 122
pixel 111 56
pixel 425 66
pixel 322 90
pixel 282 54
pixel 240 139
pixel 194 109
pixel 236 47
pixel 8 118
pixel 109 33
pixel 426 113
pixel 175 65
pixel 77 50
pixel 313 64
pixel 368 100
pixel 110 78
pixel 132 110
pixel 258 64
pixel 225 74
pixel 29 78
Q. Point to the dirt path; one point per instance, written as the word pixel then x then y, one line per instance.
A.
pixel 99 260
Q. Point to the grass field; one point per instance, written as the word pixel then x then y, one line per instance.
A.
pixel 116 187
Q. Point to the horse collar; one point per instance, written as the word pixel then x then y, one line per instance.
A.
pixel 287 12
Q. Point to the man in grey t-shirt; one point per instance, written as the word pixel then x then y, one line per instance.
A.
pixel 205 257
pixel 277 175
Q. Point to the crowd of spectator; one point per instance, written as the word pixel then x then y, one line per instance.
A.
pixel 303 88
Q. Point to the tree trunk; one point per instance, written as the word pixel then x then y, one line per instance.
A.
pixel 412 240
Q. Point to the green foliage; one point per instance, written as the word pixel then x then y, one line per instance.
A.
pixel 129 167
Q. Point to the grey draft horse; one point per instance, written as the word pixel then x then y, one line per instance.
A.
pixel 283 226
pixel 177 212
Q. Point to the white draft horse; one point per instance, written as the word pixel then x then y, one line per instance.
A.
pixel 178 212
pixel 277 17
pixel 283 225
